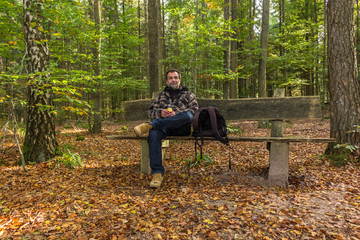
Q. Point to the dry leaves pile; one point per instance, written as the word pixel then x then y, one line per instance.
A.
pixel 108 198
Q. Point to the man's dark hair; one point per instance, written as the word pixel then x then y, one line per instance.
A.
pixel 171 71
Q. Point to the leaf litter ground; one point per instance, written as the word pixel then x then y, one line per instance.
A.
pixel 108 198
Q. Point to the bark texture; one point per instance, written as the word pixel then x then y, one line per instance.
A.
pixel 234 47
pixel 226 84
pixel 264 48
pixel 97 118
pixel 343 72
pixel 40 140
pixel 154 43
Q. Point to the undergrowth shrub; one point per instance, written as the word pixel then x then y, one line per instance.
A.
pixel 232 129
pixel 344 154
pixel 205 160
pixel 67 158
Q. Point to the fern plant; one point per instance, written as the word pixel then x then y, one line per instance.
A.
pixel 205 160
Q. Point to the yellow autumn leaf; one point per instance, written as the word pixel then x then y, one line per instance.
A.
pixel 208 221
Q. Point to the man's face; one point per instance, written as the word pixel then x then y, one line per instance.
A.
pixel 173 80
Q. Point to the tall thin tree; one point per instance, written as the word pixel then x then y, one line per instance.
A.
pixel 233 46
pixel 96 126
pixel 154 44
pixel 226 84
pixel 252 14
pixel 264 40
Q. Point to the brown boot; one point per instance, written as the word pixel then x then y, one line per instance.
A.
pixel 142 129
pixel 156 181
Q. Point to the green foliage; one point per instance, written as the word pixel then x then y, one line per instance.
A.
pixel 79 138
pixel 67 158
pixel 82 124
pixel 61 149
pixel 343 154
pixel 195 33
pixel 232 129
pixel 203 161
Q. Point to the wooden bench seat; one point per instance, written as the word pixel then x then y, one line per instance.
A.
pixel 275 110
pixel 231 139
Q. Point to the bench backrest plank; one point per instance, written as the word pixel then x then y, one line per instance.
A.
pixel 244 109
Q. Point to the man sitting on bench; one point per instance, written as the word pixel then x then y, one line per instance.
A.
pixel 171 114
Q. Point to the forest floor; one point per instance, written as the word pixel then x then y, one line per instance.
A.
pixel 108 197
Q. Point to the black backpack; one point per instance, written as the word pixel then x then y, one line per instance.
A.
pixel 209 122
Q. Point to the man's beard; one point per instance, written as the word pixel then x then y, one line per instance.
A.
pixel 174 86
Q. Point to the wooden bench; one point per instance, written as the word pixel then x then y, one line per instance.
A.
pixel 275 110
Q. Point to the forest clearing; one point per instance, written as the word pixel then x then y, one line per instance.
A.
pixel 108 197
pixel 67 68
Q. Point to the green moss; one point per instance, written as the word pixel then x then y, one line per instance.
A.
pixel 342 154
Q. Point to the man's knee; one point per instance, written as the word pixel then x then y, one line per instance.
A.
pixel 155 134
pixel 188 116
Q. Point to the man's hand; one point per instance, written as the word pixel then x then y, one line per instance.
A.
pixel 165 113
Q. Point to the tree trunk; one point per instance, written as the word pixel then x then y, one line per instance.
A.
pixel 307 73
pixel 343 73
pixel 325 95
pixel 282 34
pixel 253 59
pixel 226 84
pixel 165 66
pixel 138 93
pixel 357 35
pixel 195 57
pixel 153 33
pixel 265 28
pixel 40 140
pixel 233 47
pixel 161 37
pixel 264 48
pixel 316 75
pixel 96 127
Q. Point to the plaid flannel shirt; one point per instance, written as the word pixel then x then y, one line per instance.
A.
pixel 183 100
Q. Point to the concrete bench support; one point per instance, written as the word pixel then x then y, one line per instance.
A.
pixel 279 157
pixel 279 164
pixel 145 161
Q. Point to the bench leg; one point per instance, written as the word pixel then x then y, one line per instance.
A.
pixel 145 161
pixel 279 164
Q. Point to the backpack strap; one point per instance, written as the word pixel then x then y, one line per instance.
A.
pixel 225 139
pixel 196 119
pixel 200 145
pixel 213 121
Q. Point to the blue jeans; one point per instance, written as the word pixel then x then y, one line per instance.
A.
pixel 177 125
